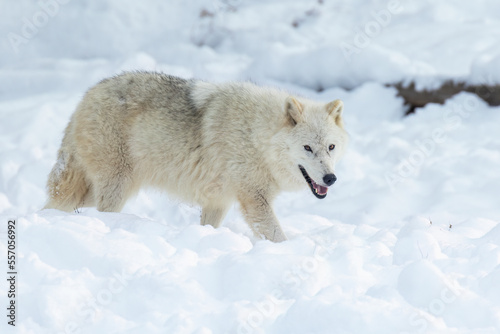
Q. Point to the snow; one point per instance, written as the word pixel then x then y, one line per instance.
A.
pixel 407 241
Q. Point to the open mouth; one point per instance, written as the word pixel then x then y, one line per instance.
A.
pixel 317 190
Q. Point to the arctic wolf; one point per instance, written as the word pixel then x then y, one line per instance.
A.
pixel 207 144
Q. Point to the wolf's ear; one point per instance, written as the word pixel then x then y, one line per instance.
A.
pixel 334 109
pixel 294 109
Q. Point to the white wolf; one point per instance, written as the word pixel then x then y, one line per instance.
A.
pixel 208 144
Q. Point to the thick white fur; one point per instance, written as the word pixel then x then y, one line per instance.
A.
pixel 208 144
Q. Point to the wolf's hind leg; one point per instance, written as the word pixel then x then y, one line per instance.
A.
pixel 213 216
pixel 112 193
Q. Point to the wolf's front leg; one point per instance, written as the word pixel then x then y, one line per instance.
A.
pixel 213 215
pixel 260 217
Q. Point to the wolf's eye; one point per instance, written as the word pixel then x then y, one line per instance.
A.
pixel 308 148
pixel 331 147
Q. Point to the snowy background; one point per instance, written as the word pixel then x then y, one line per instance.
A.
pixel 407 240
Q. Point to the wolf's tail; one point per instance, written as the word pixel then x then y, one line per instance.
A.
pixel 67 186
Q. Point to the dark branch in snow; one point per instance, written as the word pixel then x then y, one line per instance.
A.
pixel 418 98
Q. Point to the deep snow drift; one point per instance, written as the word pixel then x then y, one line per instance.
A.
pixel 407 241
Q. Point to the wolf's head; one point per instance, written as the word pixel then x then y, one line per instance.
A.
pixel 315 141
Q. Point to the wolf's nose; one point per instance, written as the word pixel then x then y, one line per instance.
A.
pixel 329 179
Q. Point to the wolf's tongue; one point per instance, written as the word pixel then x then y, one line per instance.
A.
pixel 320 189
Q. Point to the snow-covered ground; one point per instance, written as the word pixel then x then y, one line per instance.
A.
pixel 407 241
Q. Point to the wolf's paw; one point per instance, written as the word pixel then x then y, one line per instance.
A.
pixel 278 235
